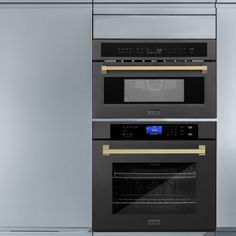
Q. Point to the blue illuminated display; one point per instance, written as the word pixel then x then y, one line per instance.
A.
pixel 154 130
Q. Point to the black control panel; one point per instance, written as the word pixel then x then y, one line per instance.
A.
pixel 154 131
pixel 154 49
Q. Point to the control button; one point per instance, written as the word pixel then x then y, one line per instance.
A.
pixel 190 127
pixel 190 134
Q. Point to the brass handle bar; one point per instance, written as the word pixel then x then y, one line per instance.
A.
pixel 105 69
pixel 106 151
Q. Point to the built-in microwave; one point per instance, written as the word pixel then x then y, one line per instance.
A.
pixel 154 79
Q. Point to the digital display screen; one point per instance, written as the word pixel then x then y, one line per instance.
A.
pixel 154 130
pixel 132 49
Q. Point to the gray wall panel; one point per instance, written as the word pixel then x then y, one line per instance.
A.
pixel 226 47
pixel 76 233
pixel 226 1
pixel 225 233
pixel 45 112
pixel 45 1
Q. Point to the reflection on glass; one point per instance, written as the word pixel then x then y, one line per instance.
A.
pixel 151 188
pixel 154 90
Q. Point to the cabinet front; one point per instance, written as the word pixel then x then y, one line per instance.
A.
pixel 226 98
pixel 45 91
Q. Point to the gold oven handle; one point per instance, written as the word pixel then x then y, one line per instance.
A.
pixel 106 151
pixel 105 69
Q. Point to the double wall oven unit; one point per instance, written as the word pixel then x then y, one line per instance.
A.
pixel 154 176
pixel 154 78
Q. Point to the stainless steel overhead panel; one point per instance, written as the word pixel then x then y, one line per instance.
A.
pixel 152 27
pixel 152 21
pixel 153 1
pixel 157 9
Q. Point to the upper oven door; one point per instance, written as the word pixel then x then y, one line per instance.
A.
pixel 153 185
pixel 154 79
pixel 154 89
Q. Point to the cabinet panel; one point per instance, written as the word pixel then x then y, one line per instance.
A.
pixel 154 1
pixel 159 9
pixel 226 1
pixel 225 233
pixel 76 233
pixel 153 27
pixel 45 111
pixel 41 1
pixel 226 174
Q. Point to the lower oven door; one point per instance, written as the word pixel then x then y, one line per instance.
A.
pixel 154 185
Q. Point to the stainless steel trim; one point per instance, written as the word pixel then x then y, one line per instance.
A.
pixel 159 9
pixel 155 120
pixel 45 229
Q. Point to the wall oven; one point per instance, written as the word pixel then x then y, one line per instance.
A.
pixel 154 176
pixel 154 79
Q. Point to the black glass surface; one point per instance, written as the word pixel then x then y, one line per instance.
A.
pixel 154 131
pixel 154 189
pixel 154 49
pixel 114 90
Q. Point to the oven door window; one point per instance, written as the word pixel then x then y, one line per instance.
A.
pixel 154 90
pixel 151 188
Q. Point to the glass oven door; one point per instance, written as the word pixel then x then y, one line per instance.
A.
pixel 154 185
pixel 154 188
